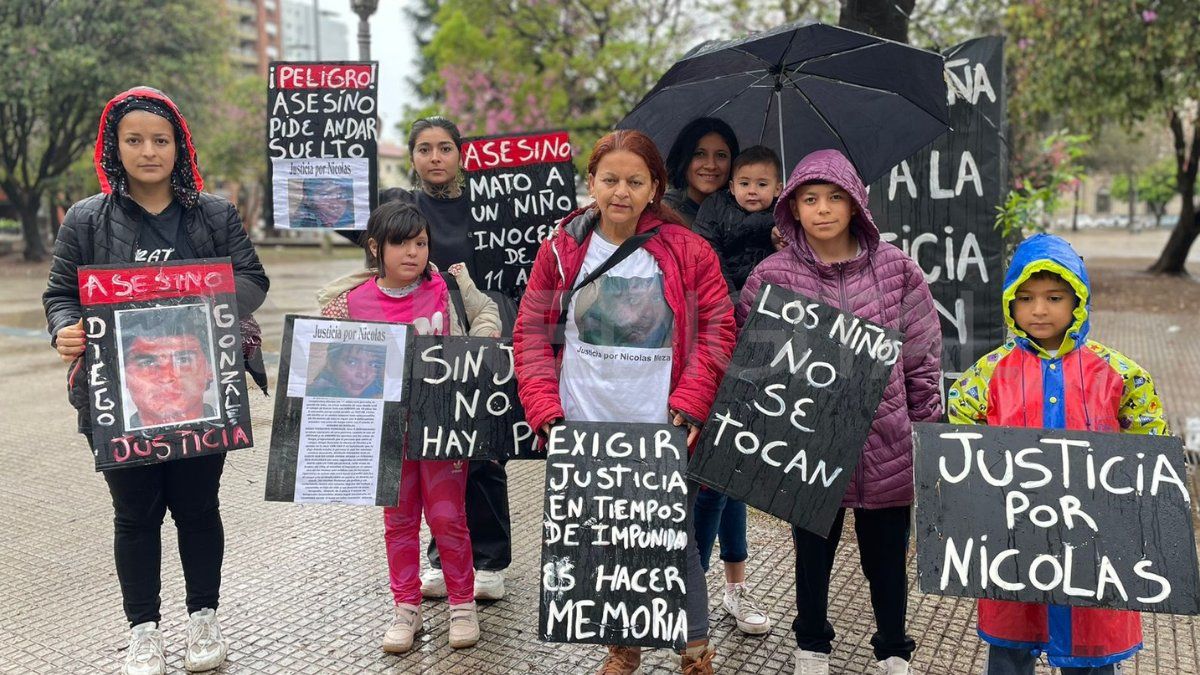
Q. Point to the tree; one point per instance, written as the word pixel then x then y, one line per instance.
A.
pixel 1091 62
pixel 886 18
pixel 64 58
pixel 232 133
pixel 1154 186
pixel 422 15
pixel 578 64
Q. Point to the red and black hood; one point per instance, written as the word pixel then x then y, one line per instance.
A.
pixel 185 176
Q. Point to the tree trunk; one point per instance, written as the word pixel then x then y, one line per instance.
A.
pixel 1075 211
pixel 886 18
pixel 35 245
pixel 1175 253
pixel 1132 200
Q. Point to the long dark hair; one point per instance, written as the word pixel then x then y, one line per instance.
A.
pixel 394 223
pixel 631 140
pixel 432 122
pixel 685 144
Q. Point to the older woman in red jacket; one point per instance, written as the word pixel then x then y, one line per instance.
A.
pixel 666 300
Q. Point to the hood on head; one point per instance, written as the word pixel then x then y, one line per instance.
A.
pixel 185 176
pixel 827 166
pixel 1048 253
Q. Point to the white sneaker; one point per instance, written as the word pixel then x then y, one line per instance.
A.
pixel 433 584
pixel 489 585
pixel 145 654
pixel 751 619
pixel 893 665
pixel 406 623
pixel 464 625
pixel 206 648
pixel 811 663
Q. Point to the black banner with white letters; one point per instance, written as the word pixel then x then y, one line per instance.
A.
pixel 1059 517
pixel 614 543
pixel 939 206
pixel 792 414
pixel 463 401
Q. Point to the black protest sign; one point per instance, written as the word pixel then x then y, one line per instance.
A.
pixel 519 186
pixel 339 411
pixel 614 544
pixel 792 414
pixel 163 361
pixel 463 401
pixel 939 206
pixel 322 144
pixel 1059 517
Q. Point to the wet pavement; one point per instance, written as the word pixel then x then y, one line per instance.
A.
pixel 305 587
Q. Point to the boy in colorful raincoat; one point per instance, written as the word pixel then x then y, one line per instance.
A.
pixel 1049 375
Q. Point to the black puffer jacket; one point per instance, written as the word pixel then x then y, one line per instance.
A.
pixel 740 239
pixel 213 227
pixel 87 237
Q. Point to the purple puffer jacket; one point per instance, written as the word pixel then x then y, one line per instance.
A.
pixel 881 285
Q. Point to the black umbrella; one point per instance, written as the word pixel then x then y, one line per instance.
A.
pixel 804 87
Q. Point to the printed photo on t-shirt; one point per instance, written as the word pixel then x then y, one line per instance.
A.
pixel 624 312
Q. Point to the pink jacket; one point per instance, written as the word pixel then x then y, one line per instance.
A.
pixel 884 286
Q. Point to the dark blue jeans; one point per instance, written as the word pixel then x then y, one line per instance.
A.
pixel 717 516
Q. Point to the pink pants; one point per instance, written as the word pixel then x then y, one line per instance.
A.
pixel 441 488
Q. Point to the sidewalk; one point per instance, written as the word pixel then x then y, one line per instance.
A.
pixel 305 587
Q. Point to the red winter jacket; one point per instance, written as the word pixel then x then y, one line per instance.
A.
pixel 695 292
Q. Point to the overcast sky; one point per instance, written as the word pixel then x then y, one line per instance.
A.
pixel 393 46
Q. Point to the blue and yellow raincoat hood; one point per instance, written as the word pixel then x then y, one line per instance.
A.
pixel 1048 253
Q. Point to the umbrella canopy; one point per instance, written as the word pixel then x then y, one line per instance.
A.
pixel 804 87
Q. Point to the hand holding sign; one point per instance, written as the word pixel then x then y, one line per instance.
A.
pixel 794 409
pixel 71 341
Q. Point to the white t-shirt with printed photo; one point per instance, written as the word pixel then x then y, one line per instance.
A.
pixel 617 354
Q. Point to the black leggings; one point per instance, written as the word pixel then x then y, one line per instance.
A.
pixel 141 496
pixel 882 550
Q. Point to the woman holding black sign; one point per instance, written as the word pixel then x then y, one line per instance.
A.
pixel 633 281
pixel 151 209
pixel 435 146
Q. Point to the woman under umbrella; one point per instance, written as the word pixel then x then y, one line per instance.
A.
pixel 698 164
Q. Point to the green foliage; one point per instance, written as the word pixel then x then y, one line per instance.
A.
pixel 231 132
pixel 9 226
pixel 1091 62
pixel 1154 185
pixel 1035 196
pixel 574 64
pixel 62 60
pixel 1094 62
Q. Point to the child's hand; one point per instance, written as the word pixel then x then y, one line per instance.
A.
pixel 457 269
pixel 777 239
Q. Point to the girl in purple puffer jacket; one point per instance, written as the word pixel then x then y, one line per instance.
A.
pixel 836 257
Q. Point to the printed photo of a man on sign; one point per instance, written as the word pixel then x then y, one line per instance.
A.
pixel 167 366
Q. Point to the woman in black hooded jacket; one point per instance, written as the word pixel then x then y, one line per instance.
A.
pixel 151 209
